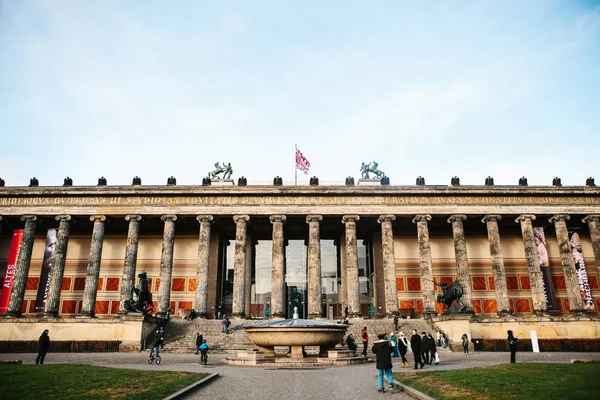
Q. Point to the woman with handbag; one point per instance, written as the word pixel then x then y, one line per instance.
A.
pixel 512 346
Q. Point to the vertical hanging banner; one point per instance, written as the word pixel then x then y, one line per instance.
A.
pixel 11 268
pixel 582 277
pixel 47 263
pixel 542 250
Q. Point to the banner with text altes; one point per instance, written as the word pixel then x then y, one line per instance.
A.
pixel 47 263
pixel 11 269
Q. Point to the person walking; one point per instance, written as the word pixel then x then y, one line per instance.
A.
pixel 383 353
pixel 223 324
pixel 364 337
pixel 512 346
pixel 443 340
pixel 394 344
pixel 43 346
pixel 465 343
pixel 415 345
pixel 432 348
pixel 425 348
pixel 198 341
pixel 403 348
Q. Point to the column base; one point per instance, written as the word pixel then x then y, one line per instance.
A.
pixel 85 315
pixel 277 315
pixel 202 315
pixel 355 315
pixel 50 314
pixel 12 314
pixel 239 315
pixel 429 313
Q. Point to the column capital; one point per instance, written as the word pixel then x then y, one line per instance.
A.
pixel 421 218
pixel 63 217
pixel 313 218
pixel 277 218
pixel 350 218
pixel 95 218
pixel 204 218
pixel 28 218
pixel 524 217
pixel 239 218
pixel 133 217
pixel 386 218
pixel 558 217
pixel 591 217
pixel 454 217
pixel 491 217
pixel 169 217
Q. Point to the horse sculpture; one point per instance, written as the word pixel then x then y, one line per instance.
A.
pixel 143 304
pixel 451 297
pixel 365 169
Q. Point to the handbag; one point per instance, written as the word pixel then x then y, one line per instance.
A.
pixel 437 358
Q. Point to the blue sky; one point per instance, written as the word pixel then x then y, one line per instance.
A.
pixel 438 88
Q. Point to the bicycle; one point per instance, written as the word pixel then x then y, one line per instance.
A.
pixel 153 357
pixel 203 358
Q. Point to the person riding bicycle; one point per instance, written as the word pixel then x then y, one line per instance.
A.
pixel 203 350
pixel 156 343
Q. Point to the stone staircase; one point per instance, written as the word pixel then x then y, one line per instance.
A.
pixel 180 335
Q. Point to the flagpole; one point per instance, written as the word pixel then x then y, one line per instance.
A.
pixel 295 165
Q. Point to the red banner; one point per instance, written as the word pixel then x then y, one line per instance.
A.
pixel 11 269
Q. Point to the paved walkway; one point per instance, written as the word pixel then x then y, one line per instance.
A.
pixel 353 382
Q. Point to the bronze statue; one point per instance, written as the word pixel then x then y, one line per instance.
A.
pixel 143 304
pixel 224 169
pixel 451 296
pixel 365 169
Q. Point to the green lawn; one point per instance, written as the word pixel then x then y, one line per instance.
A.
pixel 58 381
pixel 504 382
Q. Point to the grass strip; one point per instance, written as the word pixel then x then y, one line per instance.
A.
pixel 507 382
pixel 67 381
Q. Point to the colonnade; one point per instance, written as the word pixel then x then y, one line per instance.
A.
pixel 349 271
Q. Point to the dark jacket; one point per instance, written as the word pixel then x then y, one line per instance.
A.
pixel 44 342
pixel 512 343
pixel 383 351
pixel 431 347
pixel 402 346
pixel 424 343
pixel 351 343
pixel 198 340
pixel 415 343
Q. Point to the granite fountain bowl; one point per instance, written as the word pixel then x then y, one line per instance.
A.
pixel 296 332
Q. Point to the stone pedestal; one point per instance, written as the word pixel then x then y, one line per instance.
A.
pixel 222 182
pixel 58 269
pixel 166 265
pixel 130 262
pixel 369 182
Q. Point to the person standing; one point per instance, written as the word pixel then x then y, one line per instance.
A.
pixel 415 345
pixel 44 345
pixel 383 352
pixel 395 322
pixel 403 348
pixel 346 312
pixel 223 324
pixel 219 313
pixel 161 332
pixel 394 344
pixel 443 340
pixel 198 341
pixel 512 346
pixel 432 349
pixel 465 343
pixel 351 343
pixel 425 348
pixel 364 337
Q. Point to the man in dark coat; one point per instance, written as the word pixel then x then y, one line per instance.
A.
pixel 44 345
pixel 383 352
pixel 199 341
pixel 425 347
pixel 415 345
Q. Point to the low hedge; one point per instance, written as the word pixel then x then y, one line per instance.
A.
pixel 548 345
pixel 65 346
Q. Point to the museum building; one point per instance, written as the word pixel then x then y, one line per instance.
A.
pixel 520 253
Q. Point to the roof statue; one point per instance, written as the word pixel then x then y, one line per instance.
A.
pixel 371 167
pixel 224 169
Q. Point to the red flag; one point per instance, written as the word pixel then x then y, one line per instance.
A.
pixel 301 162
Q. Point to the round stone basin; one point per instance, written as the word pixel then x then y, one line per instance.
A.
pixel 296 332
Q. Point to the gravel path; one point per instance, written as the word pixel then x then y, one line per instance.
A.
pixel 353 382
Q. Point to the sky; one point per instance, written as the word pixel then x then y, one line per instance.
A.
pixel 433 88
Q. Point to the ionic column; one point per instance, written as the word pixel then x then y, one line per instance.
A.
pixel 20 280
pixel 277 268
pixel 351 264
pixel 533 265
pixel 389 264
pixel 129 265
pixel 314 266
pixel 425 261
pixel 593 221
pixel 166 265
pixel 497 264
pixel 462 261
pixel 58 269
pixel 568 264
pixel 93 268
pixel 203 262
pixel 239 266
